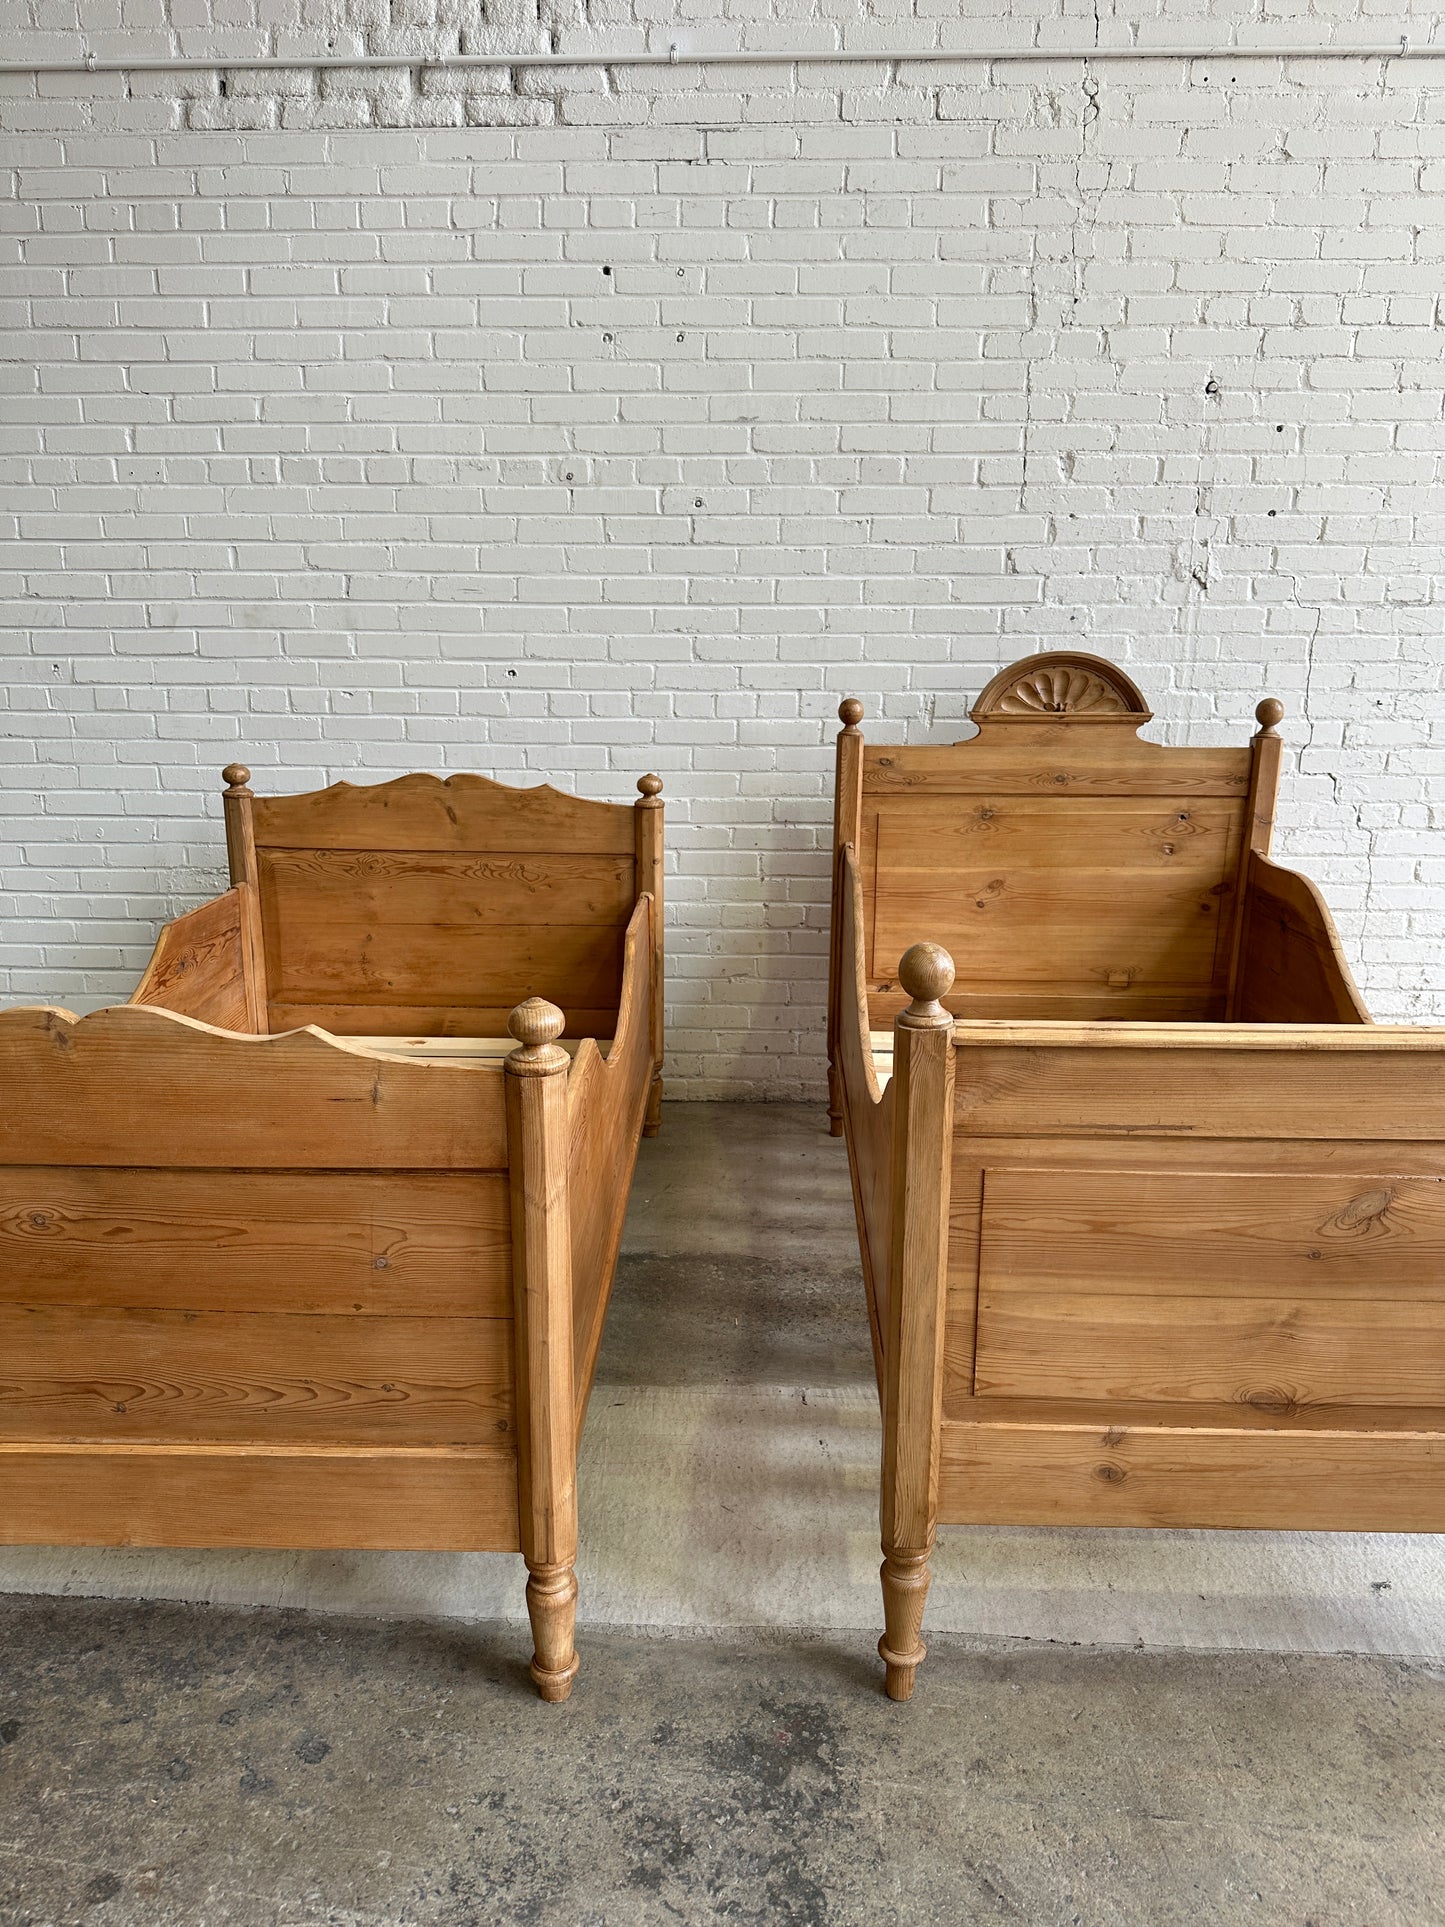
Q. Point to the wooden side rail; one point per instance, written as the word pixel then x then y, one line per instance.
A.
pixel 867 1110
pixel 608 1100
pixel 1292 967
pixel 201 966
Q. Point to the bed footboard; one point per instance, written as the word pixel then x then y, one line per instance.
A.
pixel 1198 1279
pixel 253 1291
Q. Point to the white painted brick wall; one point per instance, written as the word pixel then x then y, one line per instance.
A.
pixel 571 425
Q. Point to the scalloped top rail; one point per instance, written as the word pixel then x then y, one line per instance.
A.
pixel 454 813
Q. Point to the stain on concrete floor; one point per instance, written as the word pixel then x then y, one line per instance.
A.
pixel 184 1766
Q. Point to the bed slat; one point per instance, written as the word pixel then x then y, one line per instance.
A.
pixel 1135 1475
pixel 255 1241
pixel 170 1376
pixel 438 1500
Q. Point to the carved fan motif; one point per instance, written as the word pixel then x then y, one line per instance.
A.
pixel 1057 685
pixel 1060 692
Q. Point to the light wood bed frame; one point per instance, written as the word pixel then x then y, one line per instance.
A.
pixel 1152 1216
pixel 297 1249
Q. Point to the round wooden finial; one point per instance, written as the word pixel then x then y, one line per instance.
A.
pixel 926 972
pixel 850 712
pixel 650 785
pixel 536 1022
pixel 1269 715
pixel 235 776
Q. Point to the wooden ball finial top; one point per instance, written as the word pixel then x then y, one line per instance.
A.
pixel 235 776
pixel 926 973
pixel 650 786
pixel 536 1022
pixel 1269 715
pixel 850 712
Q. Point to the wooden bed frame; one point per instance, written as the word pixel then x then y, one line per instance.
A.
pixel 1152 1216
pixel 341 1286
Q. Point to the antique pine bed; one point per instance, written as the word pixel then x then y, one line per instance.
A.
pixel 299 1248
pixel 1152 1216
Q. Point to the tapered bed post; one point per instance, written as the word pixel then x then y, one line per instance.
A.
pixel 923 1074
pixel 847 821
pixel 648 813
pixel 1265 749
pixel 237 800
pixel 542 1300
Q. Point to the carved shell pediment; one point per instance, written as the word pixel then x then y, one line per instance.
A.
pixel 1063 686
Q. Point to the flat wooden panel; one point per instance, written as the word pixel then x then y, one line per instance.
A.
pixel 198 968
pixel 468 813
pixel 363 1021
pixel 1167 838
pixel 1103 1475
pixel 442 1501
pixel 1291 966
pixel 1227 1234
pixel 1296 1174
pixel 1065 758
pixel 255 1241
pixel 1115 898
pixel 1269 1351
pixel 138 1086
pixel 171 1376
pixel 429 929
pixel 368 893
pixel 1343 1083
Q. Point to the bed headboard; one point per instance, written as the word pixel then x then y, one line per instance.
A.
pixel 435 906
pixel 1070 868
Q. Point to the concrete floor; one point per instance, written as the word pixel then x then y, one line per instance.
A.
pixel 173 1766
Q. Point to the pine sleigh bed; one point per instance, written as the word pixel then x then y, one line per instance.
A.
pixel 300 1248
pixel 1152 1216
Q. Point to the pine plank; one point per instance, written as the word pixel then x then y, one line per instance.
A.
pixel 1190 1232
pixel 1292 967
pixel 88 1373
pixel 1270 1350
pixel 380 1026
pixel 103 1090
pixel 255 1241
pixel 342 1498
pixel 606 1102
pixel 1316 1480
pixel 198 966
pixel 462 813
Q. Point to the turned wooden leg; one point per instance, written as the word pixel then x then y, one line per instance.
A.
pixel 835 1104
pixel 653 1119
pixel 552 1609
pixel 905 1578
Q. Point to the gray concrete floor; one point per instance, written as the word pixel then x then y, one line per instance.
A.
pixel 226 1765
pixel 210 1767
